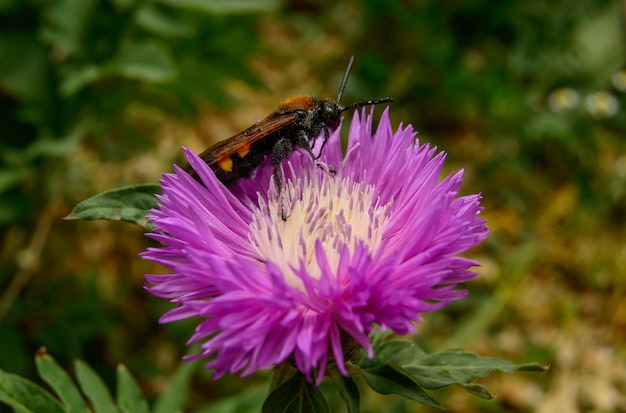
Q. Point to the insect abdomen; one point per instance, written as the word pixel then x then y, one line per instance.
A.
pixel 240 164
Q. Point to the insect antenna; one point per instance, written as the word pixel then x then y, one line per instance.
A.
pixel 357 104
pixel 345 78
pixel 367 103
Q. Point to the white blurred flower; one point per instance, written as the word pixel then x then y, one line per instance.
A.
pixel 619 80
pixel 563 99
pixel 601 104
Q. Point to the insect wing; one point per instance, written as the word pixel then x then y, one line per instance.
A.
pixel 244 139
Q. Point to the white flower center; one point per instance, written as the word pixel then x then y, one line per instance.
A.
pixel 336 212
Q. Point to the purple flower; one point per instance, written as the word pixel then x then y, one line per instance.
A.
pixel 375 243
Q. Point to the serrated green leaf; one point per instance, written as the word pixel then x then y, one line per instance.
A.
pixel 296 395
pixel 129 396
pixel 349 391
pixel 434 371
pixel 94 388
pixel 174 396
pixel 130 204
pixel 25 396
pixel 450 367
pixel 223 6
pixel 390 380
pixel 61 383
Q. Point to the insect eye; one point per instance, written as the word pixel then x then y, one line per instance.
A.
pixel 331 114
pixel 334 123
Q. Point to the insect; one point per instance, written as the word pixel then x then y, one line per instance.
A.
pixel 295 124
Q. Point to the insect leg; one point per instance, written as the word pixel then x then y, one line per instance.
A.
pixel 281 149
pixel 303 142
pixel 326 137
pixel 279 186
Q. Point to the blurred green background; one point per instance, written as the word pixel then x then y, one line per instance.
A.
pixel 526 95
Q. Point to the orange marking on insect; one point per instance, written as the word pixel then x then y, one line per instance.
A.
pixel 243 150
pixel 296 103
pixel 225 164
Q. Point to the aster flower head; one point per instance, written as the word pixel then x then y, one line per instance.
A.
pixel 375 243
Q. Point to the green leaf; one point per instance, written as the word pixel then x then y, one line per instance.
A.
pixel 94 388
pixel 22 67
pixel 390 351
pixel 124 4
pixel 245 402
pixel 57 146
pixel 149 61
pixel 296 395
pixel 130 204
pixel 457 367
pixel 24 75
pixel 66 22
pixel 61 383
pixel 477 390
pixel 75 79
pixel 174 396
pixel 10 177
pixel 163 24
pixel 223 6
pixel 349 391
pixel 403 368
pixel 129 396
pixel 25 396
pixel 390 380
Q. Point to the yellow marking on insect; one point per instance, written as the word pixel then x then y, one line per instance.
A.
pixel 225 164
pixel 243 151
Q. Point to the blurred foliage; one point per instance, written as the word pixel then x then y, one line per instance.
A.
pixel 526 96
